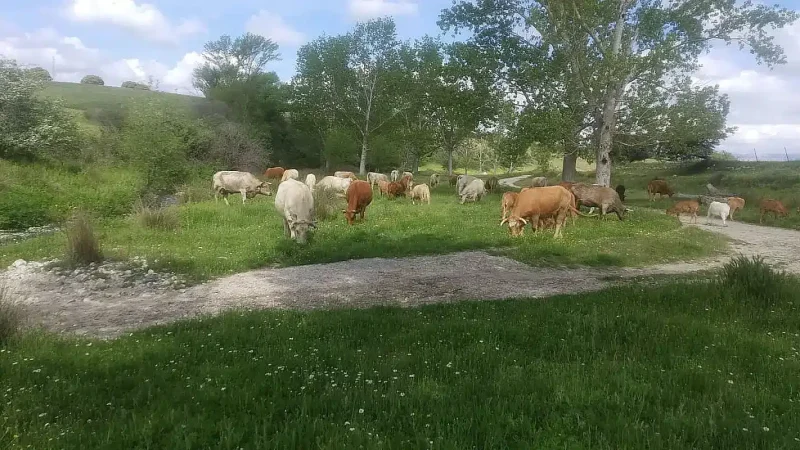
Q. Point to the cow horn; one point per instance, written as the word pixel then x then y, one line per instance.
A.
pixel 523 220
pixel 504 221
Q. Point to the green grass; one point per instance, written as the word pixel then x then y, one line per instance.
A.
pixel 215 239
pixel 674 366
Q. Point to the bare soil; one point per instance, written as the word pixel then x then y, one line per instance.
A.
pixel 108 308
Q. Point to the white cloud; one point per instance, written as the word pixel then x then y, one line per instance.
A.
pixel 369 9
pixel 73 60
pixel 273 26
pixel 144 19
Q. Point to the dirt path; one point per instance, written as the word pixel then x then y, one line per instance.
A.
pixel 107 307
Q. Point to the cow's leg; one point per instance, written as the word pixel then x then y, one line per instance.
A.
pixel 244 195
pixel 225 197
pixel 285 227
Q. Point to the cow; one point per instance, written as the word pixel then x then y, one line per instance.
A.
pixel 359 196
pixel 773 206
pixel 290 173
pixel 339 185
pixel 462 181
pixel 394 175
pixel 620 191
pixel 601 197
pixel 718 209
pixel 296 204
pixel 408 174
pixel 344 174
pixel 374 177
pixel 402 187
pixel 537 203
pixel 434 180
pixel 660 187
pixel 453 180
pixel 383 187
pixel 311 181
pixel 685 207
pixel 538 182
pixel 473 191
pixel 507 203
pixel 274 172
pixel 736 203
pixel 491 184
pixel 421 192
pixel 229 181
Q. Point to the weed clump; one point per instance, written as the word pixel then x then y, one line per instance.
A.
pixel 157 217
pixel 753 281
pixel 83 247
pixel 326 203
pixel 11 317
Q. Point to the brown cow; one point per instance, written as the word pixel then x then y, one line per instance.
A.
pixel 359 196
pixel 685 207
pixel 566 184
pixel 453 180
pixel 402 187
pixel 533 204
pixel 659 187
pixel 773 206
pixel 274 172
pixel 383 187
pixel 491 183
pixel 507 203
pixel 736 203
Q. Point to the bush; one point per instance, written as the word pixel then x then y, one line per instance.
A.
pixel 135 85
pixel 156 217
pixel 40 73
pixel 82 245
pixel 326 203
pixel 11 317
pixel 235 149
pixel 754 281
pixel 193 193
pixel 93 79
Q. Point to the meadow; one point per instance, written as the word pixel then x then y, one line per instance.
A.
pixel 690 363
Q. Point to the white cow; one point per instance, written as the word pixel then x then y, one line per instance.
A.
pixel 434 180
pixel 229 181
pixel 311 181
pixel 473 191
pixel 290 173
pixel 395 175
pixel 408 174
pixel 339 185
pixel 374 177
pixel 296 203
pixel 719 209
pixel 462 181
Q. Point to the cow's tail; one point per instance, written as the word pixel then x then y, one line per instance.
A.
pixel 580 213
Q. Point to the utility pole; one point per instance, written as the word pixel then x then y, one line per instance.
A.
pixel 786 153
pixel 754 152
pixel 53 73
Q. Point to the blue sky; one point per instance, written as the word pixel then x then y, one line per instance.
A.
pixel 135 39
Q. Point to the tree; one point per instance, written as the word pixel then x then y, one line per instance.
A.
pixel 353 78
pixel 227 60
pixel 93 79
pixel 40 73
pixel 135 85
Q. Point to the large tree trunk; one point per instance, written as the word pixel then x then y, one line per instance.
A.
pixel 603 160
pixel 362 168
pixel 569 169
pixel 450 162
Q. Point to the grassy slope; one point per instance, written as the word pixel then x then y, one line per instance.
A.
pixel 216 239
pixel 85 97
pixel 630 368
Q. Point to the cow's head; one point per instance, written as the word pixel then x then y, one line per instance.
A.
pixel 349 214
pixel 299 229
pixel 264 188
pixel 515 224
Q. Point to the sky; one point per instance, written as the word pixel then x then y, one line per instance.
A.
pixel 124 40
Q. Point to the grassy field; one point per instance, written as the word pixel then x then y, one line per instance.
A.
pixel 677 365
pixel 215 239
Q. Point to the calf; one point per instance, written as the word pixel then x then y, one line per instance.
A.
pixel 434 180
pixel 718 209
pixel 736 203
pixel 685 207
pixel 421 192
pixel 453 180
pixel 659 187
pixel 769 205
pixel 383 187
pixel 621 191
pixel 359 196
pixel 398 188
pixel 491 183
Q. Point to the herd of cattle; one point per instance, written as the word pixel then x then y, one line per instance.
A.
pixel 540 206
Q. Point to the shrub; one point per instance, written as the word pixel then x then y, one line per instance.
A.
pixel 234 148
pixel 93 79
pixel 160 218
pixel 40 73
pixel 82 245
pixel 193 193
pixel 326 203
pixel 754 281
pixel 11 317
pixel 135 85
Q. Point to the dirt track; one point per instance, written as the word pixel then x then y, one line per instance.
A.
pixel 67 306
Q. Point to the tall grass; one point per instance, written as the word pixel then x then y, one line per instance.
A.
pixel 82 245
pixel 11 317
pixel 157 217
pixel 754 281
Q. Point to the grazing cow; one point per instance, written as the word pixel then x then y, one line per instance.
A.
pixel 601 197
pixel 769 205
pixel 620 191
pixel 290 173
pixel 491 183
pixel 473 191
pixel 274 173
pixel 408 174
pixel 229 181
pixel 359 196
pixel 453 180
pixel 339 185
pixel 434 180
pixel 659 187
pixel 736 203
pixel 383 187
pixel 507 203
pixel 421 192
pixel 538 182
pixel 722 210
pixel 296 204
pixel 566 185
pixel 462 181
pixel 685 207
pixel 395 189
pixel 394 175
pixel 311 181
pixel 534 204
pixel 374 177
pixel 344 174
